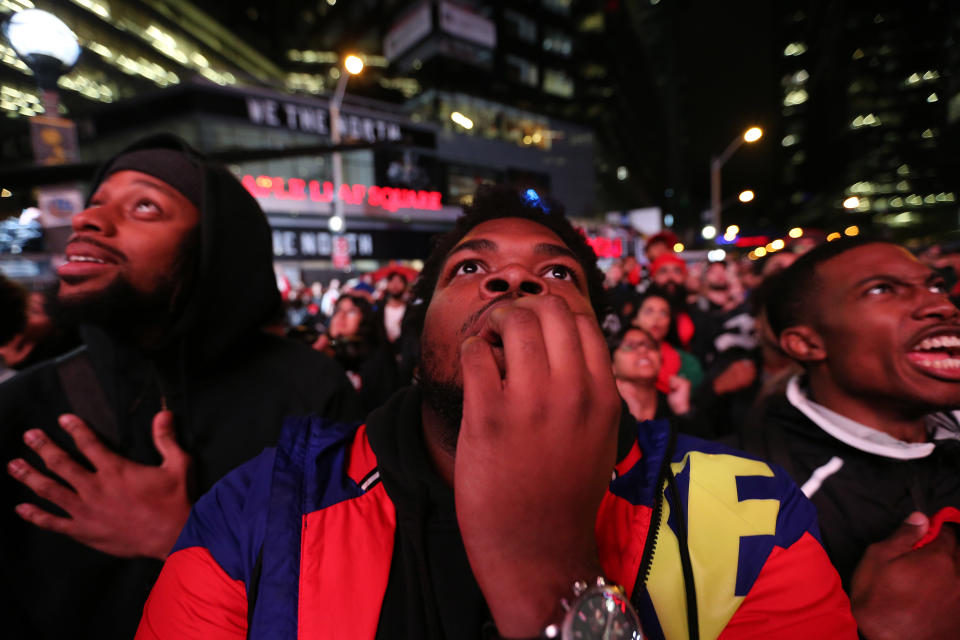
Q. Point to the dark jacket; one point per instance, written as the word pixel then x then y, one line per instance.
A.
pixel 228 383
pixel 863 489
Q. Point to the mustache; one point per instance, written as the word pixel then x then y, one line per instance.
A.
pixel 96 243
pixel 476 314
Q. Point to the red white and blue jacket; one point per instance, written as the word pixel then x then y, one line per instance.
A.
pixel 708 542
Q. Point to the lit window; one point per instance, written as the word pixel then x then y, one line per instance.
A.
pixel 558 83
pixel 931 75
pixel 928 133
pixel 914 78
pixel 789 140
pixel 795 49
pixel 932 97
pixel 796 97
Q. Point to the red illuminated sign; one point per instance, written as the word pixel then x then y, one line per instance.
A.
pixel 606 247
pixel 388 198
pixel 752 241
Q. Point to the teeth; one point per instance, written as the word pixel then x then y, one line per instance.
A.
pixel 85 259
pixel 946 363
pixel 939 342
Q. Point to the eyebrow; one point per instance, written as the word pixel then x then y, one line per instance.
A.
pixel 931 276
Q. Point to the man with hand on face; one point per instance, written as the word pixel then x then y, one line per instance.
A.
pixel 870 428
pixel 169 275
pixel 480 503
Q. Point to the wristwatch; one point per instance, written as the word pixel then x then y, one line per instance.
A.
pixel 600 611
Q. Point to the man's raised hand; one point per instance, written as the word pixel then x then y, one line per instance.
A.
pixel 122 508
pixel 534 456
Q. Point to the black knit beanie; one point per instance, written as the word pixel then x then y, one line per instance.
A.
pixel 175 168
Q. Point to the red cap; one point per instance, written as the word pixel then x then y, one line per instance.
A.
pixel 667 237
pixel 667 258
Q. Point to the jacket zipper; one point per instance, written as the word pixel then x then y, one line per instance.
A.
pixel 646 560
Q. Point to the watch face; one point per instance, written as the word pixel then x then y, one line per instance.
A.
pixel 602 614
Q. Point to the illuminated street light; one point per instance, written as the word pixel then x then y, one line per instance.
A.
pixel 709 232
pixel 746 195
pixel 833 236
pixel 777 244
pixel 353 64
pixel 44 43
pixel 678 247
pixel 751 135
pixel 731 231
pixel 760 252
pixel 716 255
pixel 852 230
pixel 851 203
pixel 796 232
pixel 461 120
pixel 335 224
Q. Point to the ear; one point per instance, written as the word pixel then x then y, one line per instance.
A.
pixel 803 343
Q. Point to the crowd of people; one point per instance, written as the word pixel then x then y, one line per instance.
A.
pixel 191 454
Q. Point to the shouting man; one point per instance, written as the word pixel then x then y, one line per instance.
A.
pixel 480 502
pixel 869 429
pixel 169 273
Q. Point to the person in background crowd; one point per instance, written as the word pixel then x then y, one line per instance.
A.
pixel 870 429
pixel 355 338
pixel 636 367
pixel 169 274
pixel 657 318
pixel 329 298
pixel 716 289
pixel 659 244
pixel 39 340
pixel 468 505
pixel 622 296
pixel 13 316
pixel 393 305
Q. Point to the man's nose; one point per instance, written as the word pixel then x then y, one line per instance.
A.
pixel 93 219
pixel 513 279
pixel 937 305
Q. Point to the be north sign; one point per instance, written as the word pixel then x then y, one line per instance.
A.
pixel 312 119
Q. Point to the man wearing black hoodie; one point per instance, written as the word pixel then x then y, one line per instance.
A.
pixel 169 273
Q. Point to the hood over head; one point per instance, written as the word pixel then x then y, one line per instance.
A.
pixel 234 289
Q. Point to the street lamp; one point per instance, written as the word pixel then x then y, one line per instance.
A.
pixel 46 45
pixel 353 65
pixel 716 164
pixel 50 49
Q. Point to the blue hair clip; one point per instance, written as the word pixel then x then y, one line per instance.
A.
pixel 532 199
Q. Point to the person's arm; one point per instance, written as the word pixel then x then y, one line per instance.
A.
pixel 534 456
pixel 899 591
pixel 201 592
pixel 120 507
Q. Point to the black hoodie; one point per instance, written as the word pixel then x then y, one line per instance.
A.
pixel 228 383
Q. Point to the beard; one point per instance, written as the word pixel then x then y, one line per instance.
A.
pixel 126 312
pixel 118 308
pixel 445 397
pixel 675 294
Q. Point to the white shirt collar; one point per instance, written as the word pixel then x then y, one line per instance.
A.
pixel 941 426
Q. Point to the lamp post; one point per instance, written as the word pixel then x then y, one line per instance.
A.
pixel 352 66
pixel 716 164
pixel 50 49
